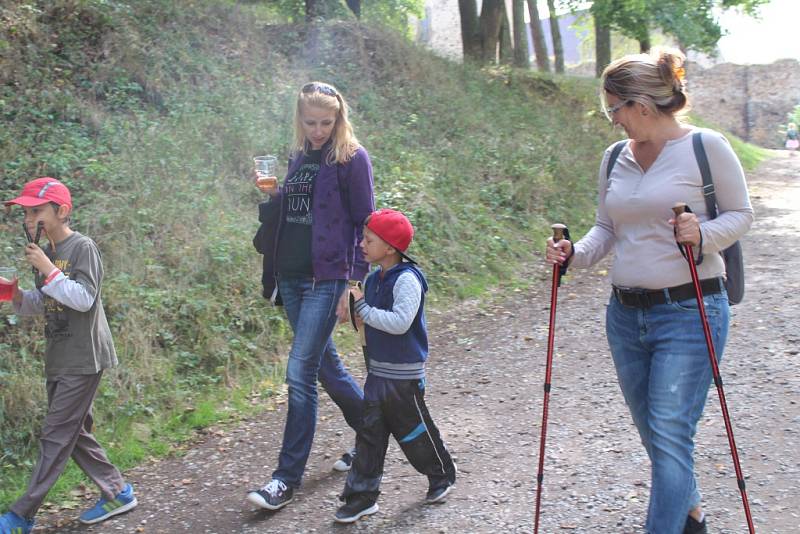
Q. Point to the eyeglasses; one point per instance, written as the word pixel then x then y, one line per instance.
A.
pixel 315 87
pixel 616 107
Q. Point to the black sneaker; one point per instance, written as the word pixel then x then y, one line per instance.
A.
pixel 437 494
pixel 273 496
pixel 356 507
pixel 695 527
pixel 439 487
pixel 346 461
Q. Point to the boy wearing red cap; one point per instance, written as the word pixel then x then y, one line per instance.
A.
pixel 392 309
pixel 68 274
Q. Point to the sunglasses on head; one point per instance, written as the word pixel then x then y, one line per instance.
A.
pixel 315 87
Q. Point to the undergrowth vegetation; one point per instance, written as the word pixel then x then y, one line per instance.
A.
pixel 151 111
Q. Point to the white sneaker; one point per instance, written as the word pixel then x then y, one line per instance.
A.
pixel 346 461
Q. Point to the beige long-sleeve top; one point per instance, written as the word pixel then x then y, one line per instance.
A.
pixel 634 209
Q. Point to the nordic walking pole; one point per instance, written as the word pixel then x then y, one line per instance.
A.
pixel 559 232
pixel 678 209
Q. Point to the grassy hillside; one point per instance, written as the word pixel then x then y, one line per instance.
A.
pixel 151 110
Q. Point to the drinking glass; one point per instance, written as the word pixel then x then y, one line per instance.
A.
pixel 266 173
pixel 8 283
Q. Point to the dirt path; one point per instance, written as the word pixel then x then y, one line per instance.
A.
pixel 485 392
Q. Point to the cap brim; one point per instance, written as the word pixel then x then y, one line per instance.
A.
pixel 407 258
pixel 27 202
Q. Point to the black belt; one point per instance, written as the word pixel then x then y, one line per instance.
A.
pixel 644 298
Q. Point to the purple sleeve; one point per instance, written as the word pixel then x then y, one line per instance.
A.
pixel 361 204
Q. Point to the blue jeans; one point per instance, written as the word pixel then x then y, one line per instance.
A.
pixel 662 365
pixel 311 309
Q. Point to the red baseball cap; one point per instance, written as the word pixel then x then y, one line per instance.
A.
pixel 394 228
pixel 41 191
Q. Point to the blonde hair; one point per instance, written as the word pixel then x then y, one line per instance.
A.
pixel 325 96
pixel 654 80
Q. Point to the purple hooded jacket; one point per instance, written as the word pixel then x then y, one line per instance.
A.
pixel 338 215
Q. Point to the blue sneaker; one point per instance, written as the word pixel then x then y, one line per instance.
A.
pixel 11 523
pixel 124 501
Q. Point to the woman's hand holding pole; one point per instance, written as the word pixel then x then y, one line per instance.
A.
pixel 556 255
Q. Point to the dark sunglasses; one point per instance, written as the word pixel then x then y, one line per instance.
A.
pixel 315 87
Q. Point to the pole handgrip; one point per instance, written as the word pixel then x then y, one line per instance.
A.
pixel 558 232
pixel 679 207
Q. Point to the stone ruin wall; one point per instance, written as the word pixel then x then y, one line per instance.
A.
pixel 751 101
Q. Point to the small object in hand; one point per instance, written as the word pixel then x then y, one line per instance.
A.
pixel 266 172
pixel 8 283
pixel 267 183
pixel 28 235
pixel 39 228
pixel 353 311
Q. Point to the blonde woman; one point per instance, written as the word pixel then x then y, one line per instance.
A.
pixel 324 200
pixel 652 323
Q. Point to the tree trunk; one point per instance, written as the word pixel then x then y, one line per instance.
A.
pixel 506 48
pixel 558 49
pixel 491 21
pixel 313 10
pixel 644 43
pixel 355 7
pixel 521 58
pixel 470 32
pixel 539 44
pixel 602 46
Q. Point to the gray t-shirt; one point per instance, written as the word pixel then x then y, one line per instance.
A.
pixel 78 337
pixel 634 208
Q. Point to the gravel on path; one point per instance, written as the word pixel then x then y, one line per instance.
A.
pixel 485 393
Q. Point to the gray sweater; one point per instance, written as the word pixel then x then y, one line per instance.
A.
pixel 634 208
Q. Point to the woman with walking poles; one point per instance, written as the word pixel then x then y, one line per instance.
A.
pixel 324 200
pixel 652 322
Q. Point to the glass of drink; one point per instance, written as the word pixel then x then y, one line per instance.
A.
pixel 8 283
pixel 266 173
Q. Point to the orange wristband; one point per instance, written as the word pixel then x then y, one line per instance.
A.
pixel 55 272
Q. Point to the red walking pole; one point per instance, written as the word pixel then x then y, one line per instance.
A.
pixel 559 232
pixel 678 209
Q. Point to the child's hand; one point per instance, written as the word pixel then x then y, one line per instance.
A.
pixel 357 293
pixel 38 259
pixel 17 297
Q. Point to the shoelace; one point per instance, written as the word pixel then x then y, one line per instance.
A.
pixel 275 486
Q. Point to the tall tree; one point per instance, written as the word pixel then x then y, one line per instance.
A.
pixel 602 45
pixel 539 44
pixel 506 48
pixel 355 7
pixel 555 32
pixel 692 22
pixel 314 9
pixel 470 30
pixel 521 58
pixel 491 21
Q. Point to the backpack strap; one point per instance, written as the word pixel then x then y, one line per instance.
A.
pixel 705 171
pixel 612 158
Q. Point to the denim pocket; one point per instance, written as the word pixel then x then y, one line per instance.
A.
pixel 711 303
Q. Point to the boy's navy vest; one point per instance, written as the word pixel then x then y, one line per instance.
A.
pixel 398 357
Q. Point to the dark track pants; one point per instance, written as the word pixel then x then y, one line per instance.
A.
pixel 67 431
pixel 397 408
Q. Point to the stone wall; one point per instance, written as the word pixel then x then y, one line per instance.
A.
pixel 750 101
